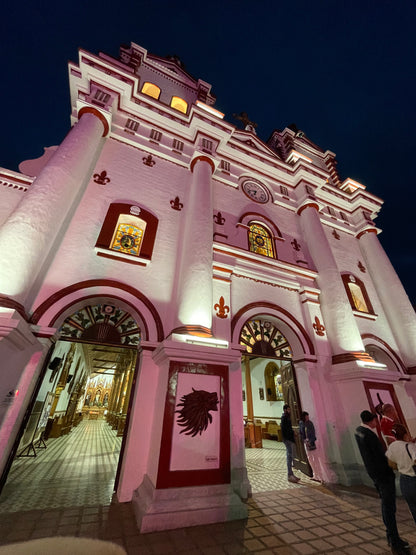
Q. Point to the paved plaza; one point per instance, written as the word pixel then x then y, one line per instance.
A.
pixel 57 494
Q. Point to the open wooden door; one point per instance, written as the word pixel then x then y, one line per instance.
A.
pixel 291 397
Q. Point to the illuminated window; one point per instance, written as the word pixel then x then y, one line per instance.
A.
pixel 260 240
pixel 128 232
pixel 357 294
pixel 151 90
pixel 179 104
pixel 128 235
pixel 261 337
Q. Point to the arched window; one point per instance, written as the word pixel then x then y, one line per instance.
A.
pixel 273 381
pixel 151 90
pixel 128 232
pixel 357 294
pixel 260 240
pixel 179 104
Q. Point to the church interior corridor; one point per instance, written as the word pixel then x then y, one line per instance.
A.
pixel 74 470
pixel 79 469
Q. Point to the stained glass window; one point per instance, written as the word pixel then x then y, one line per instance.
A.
pixel 357 294
pixel 358 297
pixel 128 235
pixel 261 337
pixel 128 239
pixel 260 240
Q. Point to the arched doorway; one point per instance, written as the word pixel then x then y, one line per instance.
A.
pixel 84 393
pixel 269 381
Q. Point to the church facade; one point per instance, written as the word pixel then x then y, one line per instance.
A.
pixel 214 275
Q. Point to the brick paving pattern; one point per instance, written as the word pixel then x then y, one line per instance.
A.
pixel 305 518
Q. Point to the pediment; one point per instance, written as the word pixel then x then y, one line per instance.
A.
pixel 174 67
pixel 251 140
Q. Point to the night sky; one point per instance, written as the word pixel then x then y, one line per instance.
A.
pixel 343 72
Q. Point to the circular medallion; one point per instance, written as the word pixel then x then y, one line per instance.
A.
pixel 255 191
pixel 127 241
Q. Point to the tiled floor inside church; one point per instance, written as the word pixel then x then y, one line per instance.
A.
pixel 66 490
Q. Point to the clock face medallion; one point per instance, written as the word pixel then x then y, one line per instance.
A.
pixel 255 191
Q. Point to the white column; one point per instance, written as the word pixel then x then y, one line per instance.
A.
pixel 393 297
pixel 28 235
pixel 342 330
pixel 195 278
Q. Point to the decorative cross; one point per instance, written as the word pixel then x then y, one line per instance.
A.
pixel 176 205
pixel 101 178
pixel 222 309
pixel 245 120
pixel 218 219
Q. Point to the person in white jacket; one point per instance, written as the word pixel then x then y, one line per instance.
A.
pixel 401 454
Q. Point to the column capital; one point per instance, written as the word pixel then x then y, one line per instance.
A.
pixel 307 205
pixel 368 230
pixel 98 114
pixel 202 158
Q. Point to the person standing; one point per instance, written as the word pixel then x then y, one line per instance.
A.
pixel 288 436
pixel 376 464
pixel 307 433
pixel 402 453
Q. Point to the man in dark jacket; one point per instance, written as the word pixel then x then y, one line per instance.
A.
pixel 375 462
pixel 288 436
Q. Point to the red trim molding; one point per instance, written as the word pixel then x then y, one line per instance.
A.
pixel 249 216
pixel 167 478
pixel 202 159
pixel 366 231
pixel 98 114
pixel 297 328
pixel 353 355
pixel 309 204
pixel 117 209
pixel 200 331
pixel 6 302
pixel 346 280
pixel 145 330
pixel 38 313
pixel 395 358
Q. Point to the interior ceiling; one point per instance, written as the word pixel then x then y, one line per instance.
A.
pixel 103 359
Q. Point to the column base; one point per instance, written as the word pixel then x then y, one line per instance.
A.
pixel 167 509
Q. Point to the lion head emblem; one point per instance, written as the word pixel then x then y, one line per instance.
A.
pixel 194 414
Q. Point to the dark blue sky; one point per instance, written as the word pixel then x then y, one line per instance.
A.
pixel 344 72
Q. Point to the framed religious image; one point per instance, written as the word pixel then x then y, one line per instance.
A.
pixel 379 394
pixel 195 448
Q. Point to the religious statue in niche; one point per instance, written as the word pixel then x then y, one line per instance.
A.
pixel 194 416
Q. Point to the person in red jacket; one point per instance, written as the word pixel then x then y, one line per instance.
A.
pixel 388 419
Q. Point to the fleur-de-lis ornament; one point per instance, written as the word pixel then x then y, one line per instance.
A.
pixel 148 161
pixel 176 205
pixel 101 178
pixel 222 309
pixel 218 219
pixel 318 327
